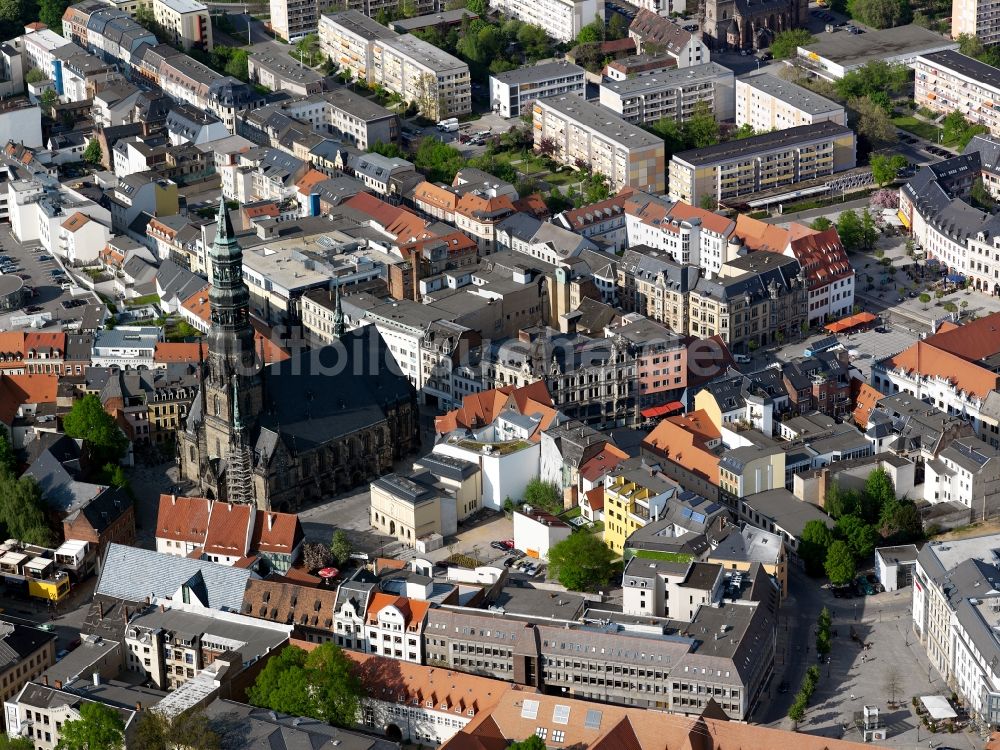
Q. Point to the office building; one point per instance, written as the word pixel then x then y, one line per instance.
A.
pixel 674 94
pixel 766 102
pixel 513 92
pixel 583 132
pixel 762 162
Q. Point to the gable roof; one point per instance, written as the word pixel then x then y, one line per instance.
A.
pixel 18 390
pixel 973 341
pixel 276 533
pixel 183 519
pixel 132 574
pixel 413 610
pixel 289 603
pixel 864 402
pixel 759 235
pixel 480 409
pixel 928 360
pixel 682 440
pixel 229 529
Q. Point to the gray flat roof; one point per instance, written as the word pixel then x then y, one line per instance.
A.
pixel 773 141
pixel 424 53
pixel 966 66
pixel 850 50
pixel 709 71
pixel 404 25
pixel 275 58
pixel 790 93
pixel 358 23
pixel 543 72
pixel 355 104
pixel 602 120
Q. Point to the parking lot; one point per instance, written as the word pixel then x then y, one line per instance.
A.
pixel 50 303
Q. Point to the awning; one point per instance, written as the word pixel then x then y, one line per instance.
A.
pixel 662 411
pixel 955 278
pixel 853 321
pixel 903 218
pixel 938 707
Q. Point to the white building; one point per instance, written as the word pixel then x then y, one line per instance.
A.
pixel 186 23
pixel 977 18
pixel 675 590
pixel 513 92
pixel 81 239
pixel 766 102
pixel 127 347
pixel 394 624
pixel 21 123
pixel 967 472
pixel 561 19
pixel 438 83
pixel 673 94
pixel 506 469
pixel 537 531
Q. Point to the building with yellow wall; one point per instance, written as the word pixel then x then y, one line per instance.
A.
pixel 634 495
pixel 743 547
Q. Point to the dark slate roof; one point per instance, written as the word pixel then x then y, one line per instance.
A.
pixel 650 264
pixel 18 642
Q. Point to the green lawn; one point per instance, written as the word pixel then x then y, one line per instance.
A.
pixel 917 127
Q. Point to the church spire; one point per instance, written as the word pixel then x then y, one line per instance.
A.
pixel 230 338
pixel 338 315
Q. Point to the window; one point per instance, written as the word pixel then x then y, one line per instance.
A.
pixel 541 732
pixel 529 710
pixel 558 735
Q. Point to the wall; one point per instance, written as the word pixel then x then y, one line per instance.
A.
pixel 503 476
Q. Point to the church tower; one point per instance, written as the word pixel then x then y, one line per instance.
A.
pixel 232 385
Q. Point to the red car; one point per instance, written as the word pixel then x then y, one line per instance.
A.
pixel 508 543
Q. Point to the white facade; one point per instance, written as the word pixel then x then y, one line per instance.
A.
pixel 503 475
pixel 127 347
pixel 83 244
pixel 679 237
pixel 536 533
pixel 512 93
pixel 390 636
pixel 766 102
pixel 21 124
pixel 561 19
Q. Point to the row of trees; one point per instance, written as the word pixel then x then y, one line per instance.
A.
pixel 798 710
pixel 864 520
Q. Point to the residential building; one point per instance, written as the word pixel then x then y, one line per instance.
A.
pixel 675 590
pixel 977 18
pixel 749 469
pixel 603 223
pixel 687 449
pixel 561 19
pixel 581 132
pixel 688 529
pixel 766 102
pixel 639 65
pixel 441 491
pixel 271 66
pixel 536 531
pixel 438 83
pixel 780 512
pixel 746 546
pixel 674 94
pixel 348 36
pixel 949 81
pixel 394 625
pixel 27 652
pixel 965 473
pixel 294 19
pixel 635 494
pixel 651 29
pixel 749 165
pixel 513 92
pixel 185 22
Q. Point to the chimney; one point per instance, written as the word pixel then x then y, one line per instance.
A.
pixel 163 608
pixel 96 676
pixel 270 521
pixel 173 499
pixel 58 684
pixel 230 507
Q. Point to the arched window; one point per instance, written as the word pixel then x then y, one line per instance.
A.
pixel 218 410
pixel 191 453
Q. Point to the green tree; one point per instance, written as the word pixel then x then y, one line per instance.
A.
pixel 341 548
pixel 969 44
pixel 839 565
pixel 592 32
pixel 98 728
pixel 882 14
pixel 744 131
pixel 102 436
pixel 797 711
pixel 924 297
pixel 816 540
pixel 861 537
pixel 700 129
pixel 479 7
pixel 981 196
pixel 617 28
pixel 821 224
pixel 534 742
pixel 869 232
pixel 581 562
pixel 438 161
pixel 873 78
pixel 840 502
pixel 50 12
pixel 786 43
pixel 849 229
pixel 22 512
pixel 708 202
pixel 48 99
pixel 34 76
pixel 879 487
pixel 321 684
pixel 238 65
pixel 15 743
pixel 93 153
pixel 391 150
pixel 872 122
pixel 886 167
pixel 190 730
pixel 8 461
pixel 544 495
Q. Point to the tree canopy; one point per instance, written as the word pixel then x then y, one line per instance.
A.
pixel 839 565
pixel 15 743
pixel 101 435
pixel 534 742
pixel 191 730
pixel 341 548
pixel 880 14
pixel 581 562
pixel 544 495
pixel 93 153
pixel 98 728
pixel 816 539
pixel 860 536
pixel 885 167
pixel 321 684
pixel 22 512
pixel 786 43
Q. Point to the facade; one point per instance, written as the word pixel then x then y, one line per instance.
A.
pixel 835 55
pixel 187 23
pixel 949 81
pixel 347 38
pixel 635 494
pixel 561 19
pixel 513 93
pixel 293 19
pixel 675 590
pixel 438 83
pixel 730 24
pixel 674 94
pixel 967 473
pixel 537 531
pixel 766 102
pixel 977 18
pixel 761 162
pixel 27 653
pixel 236 440
pixel 587 133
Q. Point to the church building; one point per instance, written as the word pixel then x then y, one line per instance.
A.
pixel 280 435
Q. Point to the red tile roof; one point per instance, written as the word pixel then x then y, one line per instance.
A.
pixel 928 360
pixel 183 519
pixel 598 466
pixel 972 341
pixel 480 409
pixel 229 530
pixel 17 390
pixel 413 610
pixel 278 533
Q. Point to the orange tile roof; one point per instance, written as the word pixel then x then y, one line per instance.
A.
pixel 183 519
pixel 710 220
pixel 309 180
pixel 198 305
pixel 395 681
pixel 599 465
pixel 822 256
pixel 435 195
pixel 379 211
pixel 456 241
pixel 929 360
pixel 480 409
pixel 682 440
pixel 413 610
pixel 532 204
pixel 595 498
pixel 472 204
pixel 17 390
pixel 44 341
pixel 972 341
pixel 759 235
pixel 864 402
pixel 176 351
pixel 269 209
pixel 278 533
pixel 229 530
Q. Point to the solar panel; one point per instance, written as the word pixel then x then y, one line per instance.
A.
pixel 560 715
pixel 529 710
pixel 686 512
pixel 593 720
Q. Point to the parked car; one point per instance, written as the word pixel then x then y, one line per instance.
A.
pixel 495 545
pixel 508 562
pixel 508 543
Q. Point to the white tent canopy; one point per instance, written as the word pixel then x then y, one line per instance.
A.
pixel 938 707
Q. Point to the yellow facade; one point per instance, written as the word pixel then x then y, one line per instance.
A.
pixel 705 401
pixel 620 519
pixel 54 590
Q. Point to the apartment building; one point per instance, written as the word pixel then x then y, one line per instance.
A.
pixel 757 298
pixel 674 94
pixel 513 92
pixel 293 19
pixel 186 22
pixel 949 81
pixel 635 494
pixel 766 102
pixel 743 167
pixel 639 65
pixel 27 652
pixel 652 283
pixel 977 18
pixel 394 625
pixel 654 31
pixel 346 37
pixel 438 83
pixel 583 132
pixel 675 590
pixel 271 66
pixel 561 19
